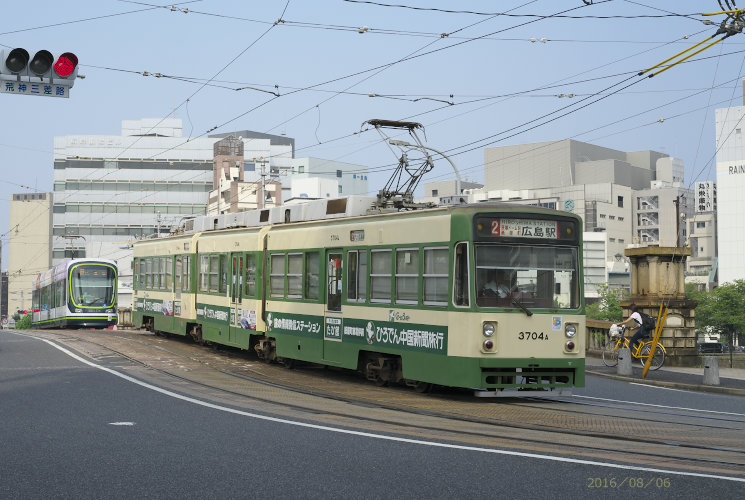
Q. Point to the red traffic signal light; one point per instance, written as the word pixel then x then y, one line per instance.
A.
pixel 66 64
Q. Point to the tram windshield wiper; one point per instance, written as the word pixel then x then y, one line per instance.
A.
pixel 522 306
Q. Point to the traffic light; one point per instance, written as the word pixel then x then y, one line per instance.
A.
pixel 42 74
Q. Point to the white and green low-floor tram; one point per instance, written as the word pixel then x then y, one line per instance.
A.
pixel 76 293
pixel 400 296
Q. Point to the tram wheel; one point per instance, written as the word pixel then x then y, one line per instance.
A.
pixel 287 363
pixel 423 387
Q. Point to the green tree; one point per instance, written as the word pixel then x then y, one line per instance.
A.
pixel 723 309
pixel 608 308
pixel 24 323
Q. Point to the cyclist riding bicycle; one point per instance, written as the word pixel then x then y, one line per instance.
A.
pixel 635 321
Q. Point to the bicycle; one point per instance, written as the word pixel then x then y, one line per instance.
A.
pixel 618 340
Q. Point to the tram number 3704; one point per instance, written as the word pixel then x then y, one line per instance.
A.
pixel 532 336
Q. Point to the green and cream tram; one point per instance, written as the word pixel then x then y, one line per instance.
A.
pixel 76 293
pixel 402 296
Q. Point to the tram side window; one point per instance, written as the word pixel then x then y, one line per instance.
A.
pixel 223 259
pixel 156 273
pixel 277 275
pixel 143 272
pixel 149 273
pixel 178 274
pixel 186 274
pixel 357 276
pixel 312 270
pixel 295 275
pixel 407 275
pixel 214 273
pixel 380 275
pixel 169 273
pixel 204 273
pixel 61 293
pixel 250 275
pixel 460 275
pixel 435 276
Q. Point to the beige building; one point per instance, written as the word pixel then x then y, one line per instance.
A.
pixel 230 192
pixel 30 250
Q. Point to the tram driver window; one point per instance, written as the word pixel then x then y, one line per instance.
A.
pixel 460 278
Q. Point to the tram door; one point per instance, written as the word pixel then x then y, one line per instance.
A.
pixel 236 295
pixel 333 316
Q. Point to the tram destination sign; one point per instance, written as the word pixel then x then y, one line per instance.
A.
pixel 525 228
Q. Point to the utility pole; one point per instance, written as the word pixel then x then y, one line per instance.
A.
pixel 677 220
pixel 263 183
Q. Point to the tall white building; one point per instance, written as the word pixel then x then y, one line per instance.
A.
pixel 110 190
pixel 730 123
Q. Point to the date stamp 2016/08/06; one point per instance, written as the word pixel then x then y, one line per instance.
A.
pixel 628 482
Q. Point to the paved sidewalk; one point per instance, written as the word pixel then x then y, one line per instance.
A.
pixel 731 380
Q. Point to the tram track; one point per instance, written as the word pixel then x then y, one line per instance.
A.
pixel 449 415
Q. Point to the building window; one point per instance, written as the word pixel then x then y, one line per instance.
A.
pixel 700 224
pixel 612 240
pixel 621 240
pixel 249 166
pixel 620 201
pixel 602 216
pixel 612 217
pixel 339 188
pixel 338 173
pixel 620 218
pixel 301 169
pixel 434 192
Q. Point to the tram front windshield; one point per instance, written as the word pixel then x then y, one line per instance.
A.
pixel 92 285
pixel 534 276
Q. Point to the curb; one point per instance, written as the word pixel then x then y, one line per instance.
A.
pixel 672 385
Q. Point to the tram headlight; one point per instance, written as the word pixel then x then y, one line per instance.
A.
pixel 488 329
pixel 570 330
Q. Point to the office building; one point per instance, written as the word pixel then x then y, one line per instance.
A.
pixel 730 193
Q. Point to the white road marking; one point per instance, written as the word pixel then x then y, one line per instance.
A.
pixel 660 406
pixel 382 436
pixel 121 423
pixel 659 387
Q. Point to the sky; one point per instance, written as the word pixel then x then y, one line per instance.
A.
pixel 475 74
